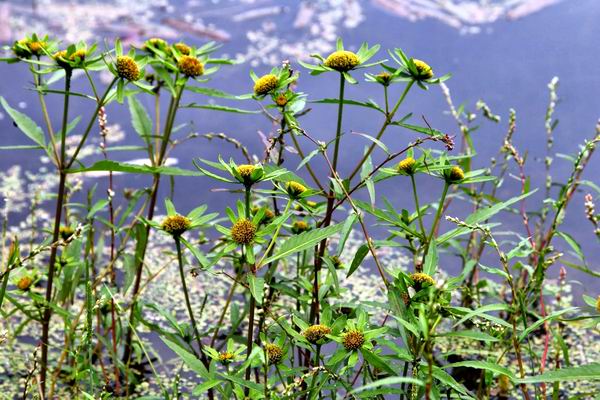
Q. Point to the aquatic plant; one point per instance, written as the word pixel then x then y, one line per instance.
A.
pixel 287 293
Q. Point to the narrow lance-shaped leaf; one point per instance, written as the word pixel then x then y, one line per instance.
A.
pixel 303 241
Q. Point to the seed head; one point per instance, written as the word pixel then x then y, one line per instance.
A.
pixel 127 68
pixel 315 333
pixel 66 232
pixel 274 353
pixel 342 60
pixel 243 231
pixel 24 283
pixel 190 66
pixel 455 174
pixel 353 339
pixel 281 100
pixel 300 226
pixel 183 48
pixel 176 225
pixel 226 357
pixel 421 279
pixel 407 166
pixel 265 84
pixel 294 188
pixel 424 71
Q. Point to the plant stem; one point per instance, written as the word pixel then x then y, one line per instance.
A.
pixel 51 268
pixel 436 219
pixel 186 294
pixel 314 309
pixel 416 197
pixel 388 120
pixel 55 235
pixel 151 206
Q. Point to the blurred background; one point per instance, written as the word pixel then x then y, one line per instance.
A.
pixel 504 52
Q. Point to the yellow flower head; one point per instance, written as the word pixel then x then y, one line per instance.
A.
pixel 243 231
pixel 157 43
pixel 24 283
pixel 294 188
pixel 127 68
pixel 421 279
pixel 66 232
pixel 385 78
pixel 353 339
pixel 267 216
pixel 315 333
pixel 455 174
pixel 598 304
pixel 226 357
pixel 176 224
pixel 424 71
pixel 265 84
pixel 64 60
pixel 300 226
pixel 246 171
pixel 274 353
pixel 407 166
pixel 337 263
pixel 342 60
pixel 190 66
pixel 183 48
pixel 37 48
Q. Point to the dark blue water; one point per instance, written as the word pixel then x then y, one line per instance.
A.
pixel 508 66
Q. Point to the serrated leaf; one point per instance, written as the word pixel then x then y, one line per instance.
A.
pixel 24 123
pixel 140 119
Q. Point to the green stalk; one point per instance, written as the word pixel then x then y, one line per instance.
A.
pixel 338 131
pixel 416 197
pixel 438 214
pixel 151 206
pixel 388 120
pixel 47 315
pixel 187 296
pixel 88 128
pixel 314 309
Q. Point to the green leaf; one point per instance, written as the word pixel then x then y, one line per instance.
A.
pixel 221 108
pixel 360 255
pixel 109 165
pixel 369 104
pixel 25 124
pixel 572 243
pixel 392 380
pixel 217 93
pixel 140 119
pixel 481 215
pixel 587 372
pixel 303 241
pixel 489 366
pixel 476 335
pixel 188 358
pixel 256 285
pixel 431 260
pixel 539 322
pixel 378 362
